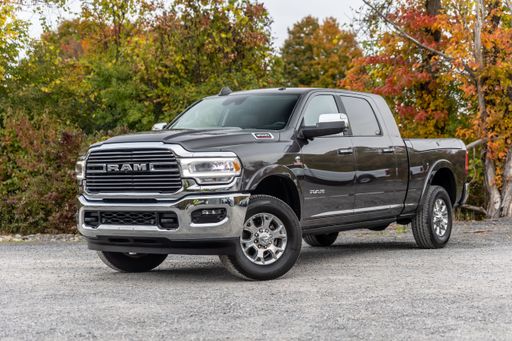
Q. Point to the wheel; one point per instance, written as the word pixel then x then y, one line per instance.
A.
pixel 270 242
pixel 378 228
pixel 432 225
pixel 126 262
pixel 321 239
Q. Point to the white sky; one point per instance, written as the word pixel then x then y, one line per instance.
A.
pixel 284 13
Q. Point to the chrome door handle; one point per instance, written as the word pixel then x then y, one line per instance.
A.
pixel 345 151
pixel 389 150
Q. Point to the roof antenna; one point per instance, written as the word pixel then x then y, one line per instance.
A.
pixel 225 91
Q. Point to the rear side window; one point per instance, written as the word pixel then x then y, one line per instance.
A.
pixel 322 104
pixel 361 117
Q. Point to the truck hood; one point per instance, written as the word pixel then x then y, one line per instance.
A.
pixel 195 140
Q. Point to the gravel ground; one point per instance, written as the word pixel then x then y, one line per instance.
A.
pixel 369 285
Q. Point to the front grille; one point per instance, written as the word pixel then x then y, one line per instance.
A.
pixel 139 170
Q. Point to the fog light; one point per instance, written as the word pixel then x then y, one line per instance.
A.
pixel 208 216
pixel 92 219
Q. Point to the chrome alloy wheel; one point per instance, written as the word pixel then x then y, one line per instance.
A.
pixel 440 217
pixel 263 239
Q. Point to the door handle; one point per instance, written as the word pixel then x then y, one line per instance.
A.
pixel 345 151
pixel 389 150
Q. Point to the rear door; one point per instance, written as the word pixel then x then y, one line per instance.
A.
pixel 378 187
pixel 328 166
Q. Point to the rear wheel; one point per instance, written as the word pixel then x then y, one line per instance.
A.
pixel 321 239
pixel 432 225
pixel 131 262
pixel 270 242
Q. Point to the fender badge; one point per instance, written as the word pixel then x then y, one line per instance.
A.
pixel 263 136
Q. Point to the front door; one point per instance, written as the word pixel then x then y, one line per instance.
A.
pixel 328 164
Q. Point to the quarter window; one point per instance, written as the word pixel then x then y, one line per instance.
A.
pixel 361 117
pixel 322 104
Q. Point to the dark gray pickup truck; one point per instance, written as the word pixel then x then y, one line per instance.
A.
pixel 248 175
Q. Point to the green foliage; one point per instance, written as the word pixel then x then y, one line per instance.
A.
pixel 128 63
pixel 12 37
pixel 318 55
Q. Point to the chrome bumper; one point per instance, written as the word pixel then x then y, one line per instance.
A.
pixel 230 227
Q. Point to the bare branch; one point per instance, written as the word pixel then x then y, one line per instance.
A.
pixel 474 208
pixel 509 4
pixel 415 41
pixel 476 144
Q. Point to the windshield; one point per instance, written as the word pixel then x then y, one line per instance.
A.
pixel 266 112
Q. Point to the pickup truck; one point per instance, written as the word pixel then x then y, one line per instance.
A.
pixel 249 175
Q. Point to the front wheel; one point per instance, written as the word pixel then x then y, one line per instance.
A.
pixel 432 225
pixel 270 242
pixel 131 262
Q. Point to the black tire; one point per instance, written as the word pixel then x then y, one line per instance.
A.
pixel 320 239
pixel 378 228
pixel 131 263
pixel 239 264
pixel 423 227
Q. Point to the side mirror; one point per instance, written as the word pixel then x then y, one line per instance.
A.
pixel 159 126
pixel 328 124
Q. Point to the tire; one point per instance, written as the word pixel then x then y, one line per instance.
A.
pixel 378 228
pixel 264 216
pixel 320 239
pixel 123 262
pixel 426 233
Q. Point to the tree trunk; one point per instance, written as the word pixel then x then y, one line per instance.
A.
pixel 506 210
pixel 494 205
pixel 493 208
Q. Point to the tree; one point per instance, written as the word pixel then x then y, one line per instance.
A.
pixel 318 55
pixel 136 63
pixel 196 47
pixel 466 43
pixel 12 38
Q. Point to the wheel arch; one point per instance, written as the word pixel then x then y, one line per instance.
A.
pixel 441 174
pixel 279 182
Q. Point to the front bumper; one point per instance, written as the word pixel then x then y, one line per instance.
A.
pixel 106 237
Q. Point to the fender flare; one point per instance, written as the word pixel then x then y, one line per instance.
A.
pixel 440 164
pixel 273 171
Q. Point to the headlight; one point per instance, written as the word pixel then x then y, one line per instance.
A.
pixel 211 171
pixel 80 168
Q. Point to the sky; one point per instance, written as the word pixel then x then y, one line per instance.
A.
pixel 284 13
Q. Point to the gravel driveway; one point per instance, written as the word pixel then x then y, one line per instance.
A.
pixel 369 285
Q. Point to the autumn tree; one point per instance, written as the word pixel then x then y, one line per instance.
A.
pixel 194 48
pixel 133 63
pixel 447 63
pixel 318 54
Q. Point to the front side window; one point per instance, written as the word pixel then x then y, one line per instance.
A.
pixel 319 105
pixel 360 116
pixel 265 112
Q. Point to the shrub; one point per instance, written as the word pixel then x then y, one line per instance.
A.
pixel 36 172
pixel 37 184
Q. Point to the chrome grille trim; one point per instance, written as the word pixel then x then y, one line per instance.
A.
pixel 165 180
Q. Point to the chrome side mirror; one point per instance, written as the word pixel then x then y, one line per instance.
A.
pixel 329 118
pixel 328 124
pixel 159 126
